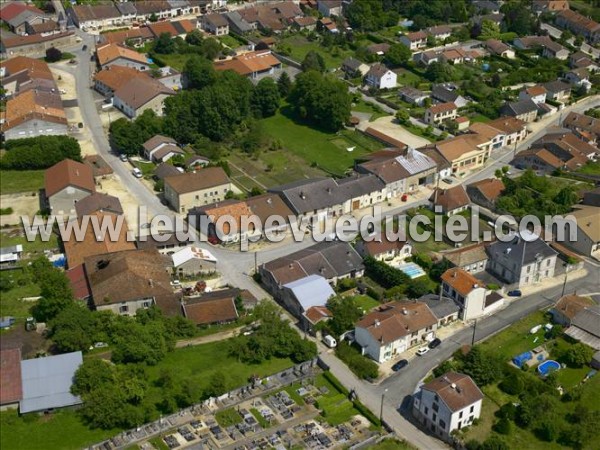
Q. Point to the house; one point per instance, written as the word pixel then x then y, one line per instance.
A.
pixel 79 283
pixel 568 306
pixel 444 168
pixel 166 243
pixel 134 36
pixel 95 16
pixel 525 110
pixel 553 49
pixel 443 94
pixel 385 139
pixel 33 113
pixel 440 32
pixel 353 68
pixel 215 24
pixel 383 249
pixel 113 78
pixel 252 64
pixel 465 152
pixel 486 6
pixel 20 74
pixel 472 259
pixel 427 57
pixel 485 192
pixel 380 77
pixel 447 403
pixel 205 186
pixel 332 260
pixel 305 23
pixel 497 18
pixel 583 60
pixel 326 24
pixel 300 295
pixel 579 24
pixel 459 56
pixel 579 77
pixel 537 94
pixel 469 293
pixel 393 328
pixel 164 170
pixel 525 260
pixel 169 77
pixel 499 48
pixel 96 242
pixel 441 112
pixel 330 7
pixel 11 254
pixel 47 381
pixel 585 327
pixel 378 49
pixel 117 55
pixel 412 95
pixel 415 40
pixel 217 307
pixel 584 127
pixel 11 388
pixel 238 24
pixel 17 16
pixel 541 6
pixel 402 171
pixel 98 203
pixel 588 231
pixel 314 315
pixel 140 94
pixel 65 183
pixel 591 197
pixel 196 162
pixel 538 159
pixel 192 261
pixel 124 282
pixel 557 91
pixel 450 201
pixel 161 148
pixel 443 308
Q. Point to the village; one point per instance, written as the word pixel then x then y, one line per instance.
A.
pixel 209 334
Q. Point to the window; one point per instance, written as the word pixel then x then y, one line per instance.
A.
pixel 548 263
pixel 471 418
pixel 435 407
pixel 436 398
pixel 472 408
pixel 124 309
pixel 147 304
pixel 442 424
pixel 434 417
pixel 426 410
pixel 197 197
pixel 460 415
pixel 528 269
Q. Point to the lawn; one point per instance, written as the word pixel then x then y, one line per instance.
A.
pixel 230 41
pixel 12 181
pixel 335 406
pixel 198 363
pixel 365 302
pixel 34 247
pixel 392 444
pixel 146 167
pixel 299 46
pixel 57 431
pixel 365 107
pixel 228 417
pixel 408 78
pixel 327 150
pixel 291 390
pixel 264 423
pixel 174 60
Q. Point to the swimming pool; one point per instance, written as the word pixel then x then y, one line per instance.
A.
pixel 412 270
pixel 548 367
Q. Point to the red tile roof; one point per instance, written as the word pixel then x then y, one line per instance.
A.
pixel 78 282
pixel 11 390
pixel 462 282
pixel 68 173
pixel 456 390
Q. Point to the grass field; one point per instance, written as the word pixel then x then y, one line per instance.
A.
pixel 61 430
pixel 335 406
pixel 13 181
pixel 365 107
pixel 300 46
pixel 174 60
pixel 327 150
pixel 392 444
pixel 228 417
pixel 365 302
pixel 230 41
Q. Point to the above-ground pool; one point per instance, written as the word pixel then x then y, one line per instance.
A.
pixel 412 270
pixel 548 367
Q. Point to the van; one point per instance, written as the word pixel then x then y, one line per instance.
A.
pixel 137 173
pixel 329 341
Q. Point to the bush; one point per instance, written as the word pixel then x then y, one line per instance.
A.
pixel 39 152
pixel 360 365
pixel 512 384
pixel 503 426
pixel 6 211
pixel 507 411
pixel 578 355
pixel 53 55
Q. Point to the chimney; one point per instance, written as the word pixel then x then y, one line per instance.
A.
pixel 377 323
pixel 151 283
pixel 405 311
pixel 453 386
pixel 475 286
pixel 302 196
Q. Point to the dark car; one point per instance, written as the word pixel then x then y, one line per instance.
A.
pixel 400 365
pixel 84 48
pixel 435 343
pixel 515 293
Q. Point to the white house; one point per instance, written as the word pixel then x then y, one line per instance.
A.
pixel 190 261
pixel 380 77
pixel 393 328
pixel 447 403
pixel 414 41
pixel 441 112
pixel 537 94
pixel 469 293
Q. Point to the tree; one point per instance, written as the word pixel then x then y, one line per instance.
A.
pixel 217 384
pixel 513 384
pixel 194 37
pixel 153 18
pixel 418 287
pixel 483 367
pixel 578 355
pixel 265 98
pixel 313 61
pixel 73 329
pixel 55 291
pixel 489 30
pixel 53 55
pixel 439 72
pixel 210 48
pixel 345 314
pixel 134 342
pixel 398 54
pixel 494 442
pixel 164 45
pixel 198 72
pixel 402 116
pixel 518 19
pixel 369 15
pixel 323 100
pixel 284 83
pixel 503 426
pixel 39 152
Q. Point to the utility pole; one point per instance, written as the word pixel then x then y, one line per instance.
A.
pixel 474 329
pixel 381 408
pixel 255 262
pixel 565 282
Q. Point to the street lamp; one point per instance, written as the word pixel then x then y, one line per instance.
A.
pixel 566 265
pixel 381 408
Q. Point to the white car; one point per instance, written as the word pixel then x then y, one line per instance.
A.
pixel 422 351
pixel 137 173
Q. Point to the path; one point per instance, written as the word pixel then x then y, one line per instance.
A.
pixel 220 336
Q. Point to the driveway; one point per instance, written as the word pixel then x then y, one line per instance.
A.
pixel 388 126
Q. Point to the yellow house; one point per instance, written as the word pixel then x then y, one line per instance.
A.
pixel 466 152
pixel 188 190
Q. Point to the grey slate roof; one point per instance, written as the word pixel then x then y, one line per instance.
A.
pixel 310 291
pixel 520 248
pixel 443 94
pixel 235 20
pixel 351 63
pixel 165 170
pixel 588 319
pixel 357 186
pixel 518 108
pixel 308 195
pixel 47 382
pixel 556 86
pixel 441 307
pixel 126 8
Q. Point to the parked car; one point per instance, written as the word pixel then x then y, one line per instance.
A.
pixel 515 293
pixel 137 173
pixel 448 180
pixel 84 48
pixel 329 341
pixel 435 343
pixel 123 157
pixel 400 365
pixel 422 351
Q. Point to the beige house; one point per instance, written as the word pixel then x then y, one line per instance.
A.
pixel 437 114
pixel 466 152
pixel 140 94
pixel 188 190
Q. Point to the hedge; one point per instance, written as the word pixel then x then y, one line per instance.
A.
pixel 335 382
